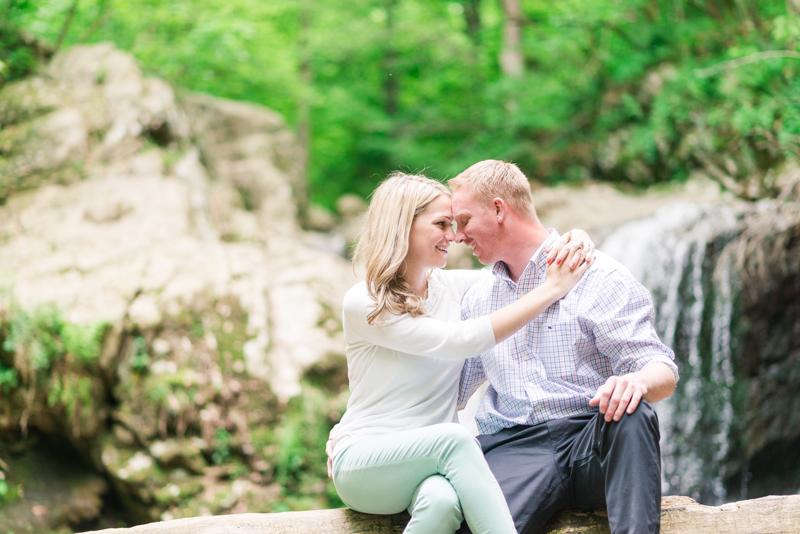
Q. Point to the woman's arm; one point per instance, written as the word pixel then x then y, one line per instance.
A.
pixel 560 279
pixel 425 336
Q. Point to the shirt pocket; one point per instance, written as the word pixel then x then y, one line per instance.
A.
pixel 560 346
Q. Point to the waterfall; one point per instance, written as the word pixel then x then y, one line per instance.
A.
pixel 676 254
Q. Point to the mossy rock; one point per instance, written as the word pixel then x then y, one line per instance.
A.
pixel 48 149
pixel 28 99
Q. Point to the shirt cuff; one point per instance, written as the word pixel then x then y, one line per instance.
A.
pixel 666 360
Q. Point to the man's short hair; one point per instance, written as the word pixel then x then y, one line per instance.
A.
pixel 490 179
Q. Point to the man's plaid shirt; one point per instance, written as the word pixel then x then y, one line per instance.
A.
pixel 552 367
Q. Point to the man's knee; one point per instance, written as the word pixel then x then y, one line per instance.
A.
pixel 638 430
pixel 644 416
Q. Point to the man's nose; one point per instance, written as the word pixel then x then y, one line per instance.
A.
pixel 460 237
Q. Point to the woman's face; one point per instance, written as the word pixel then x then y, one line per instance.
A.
pixel 431 235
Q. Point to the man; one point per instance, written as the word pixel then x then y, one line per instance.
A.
pixel 566 421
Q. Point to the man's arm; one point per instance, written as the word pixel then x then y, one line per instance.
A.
pixel 643 366
pixel 621 394
pixel 472 377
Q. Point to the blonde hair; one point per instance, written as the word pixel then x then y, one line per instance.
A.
pixel 490 179
pixel 383 243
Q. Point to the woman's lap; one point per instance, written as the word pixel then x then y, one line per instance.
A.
pixel 379 474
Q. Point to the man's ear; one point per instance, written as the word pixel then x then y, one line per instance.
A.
pixel 500 209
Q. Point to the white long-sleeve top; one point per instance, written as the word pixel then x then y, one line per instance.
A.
pixel 404 373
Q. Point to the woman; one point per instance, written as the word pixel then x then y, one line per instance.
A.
pixel 397 446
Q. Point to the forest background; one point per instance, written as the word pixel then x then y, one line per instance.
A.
pixel 632 92
pixel 635 92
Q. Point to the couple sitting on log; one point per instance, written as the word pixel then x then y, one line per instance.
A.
pixel 563 333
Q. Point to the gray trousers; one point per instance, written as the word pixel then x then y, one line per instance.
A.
pixel 581 462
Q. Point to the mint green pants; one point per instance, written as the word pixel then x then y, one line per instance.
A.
pixel 437 473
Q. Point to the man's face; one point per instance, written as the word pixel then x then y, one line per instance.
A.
pixel 477 226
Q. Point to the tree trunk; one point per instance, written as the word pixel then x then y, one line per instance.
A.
pixel 391 83
pixel 65 27
pixel 304 110
pixel 679 515
pixel 472 17
pixel 99 21
pixel 511 60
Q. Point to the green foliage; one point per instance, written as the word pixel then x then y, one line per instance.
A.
pixel 222 448
pixel 74 393
pixel 8 492
pixel 17 57
pixel 301 463
pixel 43 336
pixel 51 355
pixel 83 341
pixel 36 336
pixel 8 379
pixel 140 360
pixel 415 84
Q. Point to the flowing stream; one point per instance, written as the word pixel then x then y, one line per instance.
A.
pixel 676 254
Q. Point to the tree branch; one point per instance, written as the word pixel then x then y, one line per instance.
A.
pixel 66 25
pixel 746 60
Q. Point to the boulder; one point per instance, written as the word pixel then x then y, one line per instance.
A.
pixel 164 232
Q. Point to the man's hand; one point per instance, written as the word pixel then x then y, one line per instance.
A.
pixel 618 395
pixel 621 394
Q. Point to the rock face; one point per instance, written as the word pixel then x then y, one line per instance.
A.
pixel 768 258
pixel 165 233
pixel 725 282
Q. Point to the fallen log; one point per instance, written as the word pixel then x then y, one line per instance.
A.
pixel 679 515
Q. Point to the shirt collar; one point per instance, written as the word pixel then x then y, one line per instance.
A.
pixel 537 265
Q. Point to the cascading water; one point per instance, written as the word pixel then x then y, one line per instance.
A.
pixel 676 254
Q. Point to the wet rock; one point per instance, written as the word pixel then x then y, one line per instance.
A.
pixel 725 281
pixel 49 488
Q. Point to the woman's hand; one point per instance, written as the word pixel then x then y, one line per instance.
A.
pixel 562 276
pixel 560 279
pixel 329 448
pixel 329 452
pixel 574 240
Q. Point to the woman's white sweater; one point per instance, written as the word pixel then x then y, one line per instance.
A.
pixel 404 373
